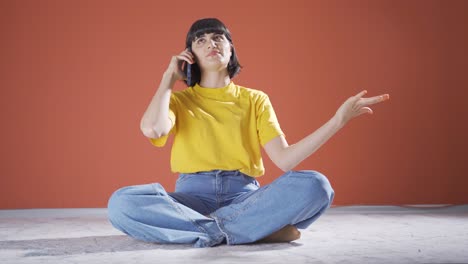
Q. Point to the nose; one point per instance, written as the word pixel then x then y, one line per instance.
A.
pixel 211 43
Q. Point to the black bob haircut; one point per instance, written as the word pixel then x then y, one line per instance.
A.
pixel 199 28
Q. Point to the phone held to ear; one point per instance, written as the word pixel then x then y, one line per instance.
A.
pixel 189 71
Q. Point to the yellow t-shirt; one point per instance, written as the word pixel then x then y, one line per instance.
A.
pixel 220 129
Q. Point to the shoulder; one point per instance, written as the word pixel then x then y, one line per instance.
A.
pixel 181 94
pixel 253 94
pixel 184 92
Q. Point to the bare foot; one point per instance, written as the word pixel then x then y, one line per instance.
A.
pixel 285 234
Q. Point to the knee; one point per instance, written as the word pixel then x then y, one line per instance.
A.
pixel 317 183
pixel 126 202
pixel 121 203
pixel 116 204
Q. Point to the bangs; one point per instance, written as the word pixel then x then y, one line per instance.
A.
pixel 204 31
pixel 204 26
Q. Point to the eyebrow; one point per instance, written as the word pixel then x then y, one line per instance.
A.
pixel 214 34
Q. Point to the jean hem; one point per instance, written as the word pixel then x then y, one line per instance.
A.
pixel 213 239
pixel 221 228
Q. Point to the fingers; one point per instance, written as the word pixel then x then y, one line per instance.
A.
pixel 383 97
pixel 185 56
pixel 375 99
pixel 360 104
pixel 365 110
pixel 189 55
pixel 360 94
pixel 369 101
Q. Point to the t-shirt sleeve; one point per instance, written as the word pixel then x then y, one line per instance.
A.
pixel 161 141
pixel 267 123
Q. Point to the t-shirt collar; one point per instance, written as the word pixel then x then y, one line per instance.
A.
pixel 215 93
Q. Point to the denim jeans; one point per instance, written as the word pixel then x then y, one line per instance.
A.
pixel 214 207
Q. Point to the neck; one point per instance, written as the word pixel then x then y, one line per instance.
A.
pixel 211 79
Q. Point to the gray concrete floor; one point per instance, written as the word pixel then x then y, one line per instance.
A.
pixel 354 234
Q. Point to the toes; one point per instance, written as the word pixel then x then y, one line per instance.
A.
pixel 298 235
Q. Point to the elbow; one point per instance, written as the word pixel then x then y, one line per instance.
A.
pixel 281 158
pixel 153 131
pixel 284 166
pixel 146 129
pixel 285 169
pixel 148 132
pixel 286 161
pixel 156 130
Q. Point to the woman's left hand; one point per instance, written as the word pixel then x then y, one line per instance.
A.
pixel 357 105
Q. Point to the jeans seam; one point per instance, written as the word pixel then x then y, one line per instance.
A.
pixel 236 213
pixel 179 210
pixel 221 228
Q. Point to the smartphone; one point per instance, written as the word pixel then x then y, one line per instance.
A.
pixel 189 74
pixel 188 69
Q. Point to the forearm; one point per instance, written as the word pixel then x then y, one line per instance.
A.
pixel 155 121
pixel 296 153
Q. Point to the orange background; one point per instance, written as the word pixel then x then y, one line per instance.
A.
pixel 77 76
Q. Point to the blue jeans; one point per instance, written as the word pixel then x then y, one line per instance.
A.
pixel 214 207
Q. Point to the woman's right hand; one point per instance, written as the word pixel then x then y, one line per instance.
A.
pixel 177 61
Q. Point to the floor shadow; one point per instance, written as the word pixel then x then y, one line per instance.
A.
pixel 119 243
pixel 80 245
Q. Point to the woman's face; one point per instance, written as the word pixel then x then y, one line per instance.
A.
pixel 212 51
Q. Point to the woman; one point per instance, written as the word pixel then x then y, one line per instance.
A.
pixel 218 128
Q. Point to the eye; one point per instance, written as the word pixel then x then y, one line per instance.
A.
pixel 200 40
pixel 218 37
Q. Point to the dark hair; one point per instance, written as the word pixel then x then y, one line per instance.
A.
pixel 200 27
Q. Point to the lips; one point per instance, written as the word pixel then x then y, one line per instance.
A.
pixel 214 52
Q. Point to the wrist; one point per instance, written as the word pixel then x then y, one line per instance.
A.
pixel 337 122
pixel 169 79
